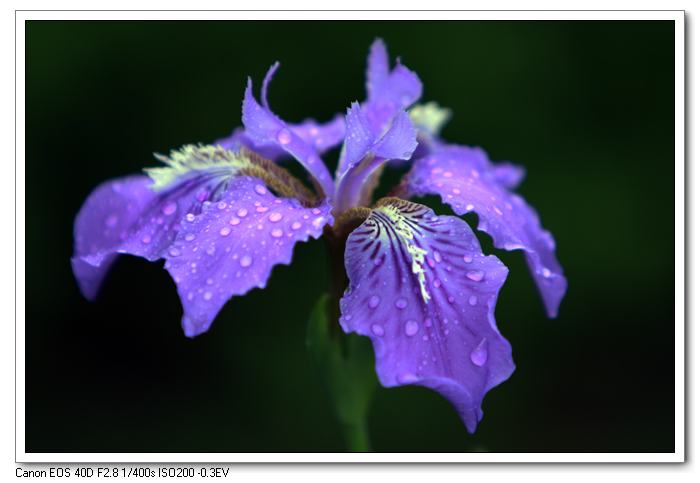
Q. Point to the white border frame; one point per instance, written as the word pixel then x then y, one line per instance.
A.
pixel 677 456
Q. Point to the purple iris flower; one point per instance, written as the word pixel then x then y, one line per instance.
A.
pixel 417 284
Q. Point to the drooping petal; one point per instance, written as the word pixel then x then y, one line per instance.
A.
pixel 466 180
pixel 103 224
pixel 388 91
pixel 263 127
pixel 364 153
pixel 141 215
pixel 233 245
pixel 423 291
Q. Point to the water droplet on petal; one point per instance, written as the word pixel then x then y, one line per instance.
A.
pixel 207 295
pixel 411 328
pixel 221 205
pixel 146 239
pixel 111 221
pixel 174 252
pixel 401 303
pixel 260 189
pixel 189 217
pixel 475 275
pixel 437 257
pixel 472 300
pixel 406 378
pixel 284 136
pixel 225 231
pixel 296 225
pixel 169 208
pixel 242 212
pixel 546 272
pixel 246 261
pixel 467 259
pixel 234 221
pixel 261 209
pixel 377 330
pixel 277 233
pixel 275 217
pixel 373 302
pixel 189 237
pixel 480 355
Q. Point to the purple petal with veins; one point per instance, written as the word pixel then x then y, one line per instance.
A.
pixel 233 245
pixel 465 179
pixel 423 291
pixel 126 216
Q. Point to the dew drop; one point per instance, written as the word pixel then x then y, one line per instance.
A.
pixel 546 272
pixel 475 275
pixel 146 239
pixel 111 221
pixel 284 136
pixel 261 209
pixel 189 237
pixel 260 189
pixel 470 207
pixel 189 217
pixel 174 252
pixel 401 303
pixel 473 300
pixel 169 208
pixel 275 217
pixel 221 205
pixel 377 330
pixel 411 328
pixel 207 295
pixel 437 257
pixel 373 302
pixel 467 259
pixel 296 225
pixel 246 261
pixel 277 233
pixel 225 231
pixel 242 212
pixel 407 378
pixel 234 221
pixel 211 251
pixel 479 355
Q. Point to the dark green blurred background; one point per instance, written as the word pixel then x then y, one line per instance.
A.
pixel 586 107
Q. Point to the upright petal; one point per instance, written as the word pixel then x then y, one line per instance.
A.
pixel 233 245
pixel 466 180
pixel 263 127
pixel 364 153
pixel 388 91
pixel 423 291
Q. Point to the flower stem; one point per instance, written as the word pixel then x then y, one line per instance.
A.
pixel 357 436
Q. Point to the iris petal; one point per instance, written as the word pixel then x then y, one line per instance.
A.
pixel 233 245
pixel 466 180
pixel 263 127
pixel 423 291
pixel 365 152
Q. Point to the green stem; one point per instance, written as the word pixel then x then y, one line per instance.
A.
pixel 357 436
